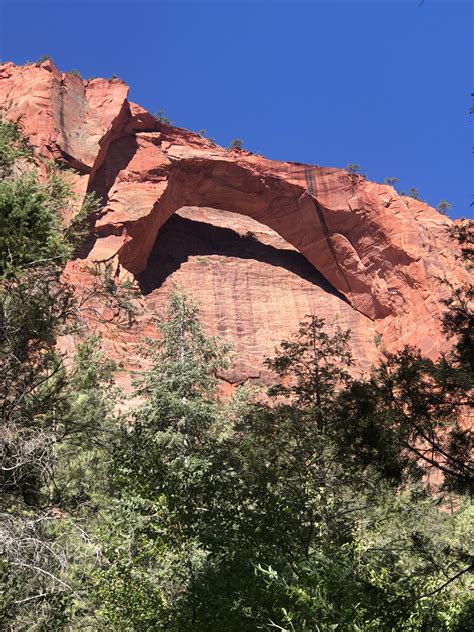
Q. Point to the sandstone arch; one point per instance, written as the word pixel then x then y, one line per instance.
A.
pixel 383 251
pixel 372 245
pixel 283 198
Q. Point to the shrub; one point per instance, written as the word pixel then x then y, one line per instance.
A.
pixel 162 118
pixel 30 221
pixel 354 168
pixel 443 207
pixel 12 146
pixel 237 143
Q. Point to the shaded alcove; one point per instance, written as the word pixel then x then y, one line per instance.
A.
pixel 287 205
pixel 183 237
pixel 252 287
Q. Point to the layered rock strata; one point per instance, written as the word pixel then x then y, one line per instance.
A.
pixel 260 243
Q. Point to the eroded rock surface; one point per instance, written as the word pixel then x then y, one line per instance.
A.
pixel 259 243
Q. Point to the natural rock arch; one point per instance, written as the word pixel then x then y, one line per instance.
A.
pixel 383 251
pixel 286 203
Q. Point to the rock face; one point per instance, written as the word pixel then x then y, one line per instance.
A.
pixel 253 287
pixel 259 243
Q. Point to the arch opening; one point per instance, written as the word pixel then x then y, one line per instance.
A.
pixel 252 287
pixel 203 233
pixel 284 205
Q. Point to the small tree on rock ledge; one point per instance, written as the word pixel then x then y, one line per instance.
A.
pixel 237 143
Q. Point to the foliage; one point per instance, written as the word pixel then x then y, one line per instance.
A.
pixel 458 320
pixel 107 290
pixel 413 193
pixel 243 516
pixel 55 415
pixel 391 181
pixel 464 234
pixel 158 467
pixel 31 230
pixel 162 118
pixel 408 420
pixel 354 168
pixel 53 421
pixel 317 363
pixel 443 207
pixel 236 143
pixel 190 512
pixel 13 146
pixel 412 417
pixel 75 73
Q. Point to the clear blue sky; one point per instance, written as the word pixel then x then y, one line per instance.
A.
pixel 382 83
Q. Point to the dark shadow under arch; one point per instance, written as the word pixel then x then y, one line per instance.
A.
pixel 181 238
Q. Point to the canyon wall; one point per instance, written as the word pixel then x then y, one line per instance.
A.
pixel 259 243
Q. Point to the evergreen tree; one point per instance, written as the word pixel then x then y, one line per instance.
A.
pixel 53 418
pixel 316 365
pixel 243 516
pixel 161 468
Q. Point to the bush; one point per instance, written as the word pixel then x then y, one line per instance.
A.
pixel 443 207
pixel 237 143
pixel 161 118
pixel 30 222
pixel 413 193
pixel 353 168
pixel 12 146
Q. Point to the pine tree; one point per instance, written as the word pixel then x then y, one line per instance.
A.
pixel 161 471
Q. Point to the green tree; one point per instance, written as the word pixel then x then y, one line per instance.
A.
pixel 408 420
pixel 210 515
pixel 162 118
pixel 160 466
pixel 316 364
pixel 31 230
pixel 443 207
pixel 464 234
pixel 237 143
pixel 54 418
pixel 413 193
pixel 43 58
pixel 354 168
pixel 54 423
pixel 13 146
pixel 243 517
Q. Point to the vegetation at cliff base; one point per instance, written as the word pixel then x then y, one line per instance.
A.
pixel 323 503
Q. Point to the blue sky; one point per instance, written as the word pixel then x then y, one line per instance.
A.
pixel 381 83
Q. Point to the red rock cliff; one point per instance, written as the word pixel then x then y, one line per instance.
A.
pixel 259 243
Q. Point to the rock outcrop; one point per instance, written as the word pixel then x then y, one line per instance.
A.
pixel 279 239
